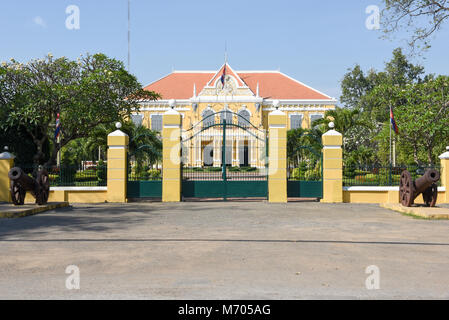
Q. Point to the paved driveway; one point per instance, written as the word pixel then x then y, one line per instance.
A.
pixel 240 250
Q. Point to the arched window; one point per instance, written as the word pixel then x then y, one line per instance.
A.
pixel 244 118
pixel 226 114
pixel 208 118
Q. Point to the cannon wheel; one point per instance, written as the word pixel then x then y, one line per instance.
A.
pixel 42 187
pixel 406 189
pixel 17 194
pixel 430 195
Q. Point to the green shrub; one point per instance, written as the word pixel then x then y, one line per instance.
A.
pixel 154 173
pixel 296 174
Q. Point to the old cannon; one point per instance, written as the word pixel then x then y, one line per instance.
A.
pixel 409 190
pixel 21 183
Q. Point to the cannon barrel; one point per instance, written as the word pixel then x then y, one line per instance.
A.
pixel 19 176
pixel 430 177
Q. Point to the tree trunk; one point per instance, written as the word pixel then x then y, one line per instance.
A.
pixel 415 154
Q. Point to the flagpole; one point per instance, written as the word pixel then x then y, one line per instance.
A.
pixel 390 134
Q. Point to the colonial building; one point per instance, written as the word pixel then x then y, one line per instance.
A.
pixel 198 95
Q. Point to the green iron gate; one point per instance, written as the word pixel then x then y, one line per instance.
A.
pixel 305 170
pixel 143 180
pixel 224 156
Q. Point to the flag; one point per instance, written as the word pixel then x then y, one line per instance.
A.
pixel 393 122
pixel 223 76
pixel 58 127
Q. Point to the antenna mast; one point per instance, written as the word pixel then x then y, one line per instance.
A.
pixel 129 34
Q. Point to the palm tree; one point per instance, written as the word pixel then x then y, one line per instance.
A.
pixel 343 119
pixel 303 144
pixel 145 145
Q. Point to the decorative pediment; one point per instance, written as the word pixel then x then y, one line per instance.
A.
pixel 233 85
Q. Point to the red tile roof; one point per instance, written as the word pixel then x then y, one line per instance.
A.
pixel 179 85
pixel 276 85
pixel 272 85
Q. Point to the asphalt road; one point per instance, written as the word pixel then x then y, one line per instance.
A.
pixel 217 250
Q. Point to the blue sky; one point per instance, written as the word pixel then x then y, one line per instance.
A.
pixel 312 41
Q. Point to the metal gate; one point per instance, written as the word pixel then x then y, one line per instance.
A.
pixel 144 179
pixel 224 156
pixel 305 171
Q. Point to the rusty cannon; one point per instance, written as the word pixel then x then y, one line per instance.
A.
pixel 21 183
pixel 409 190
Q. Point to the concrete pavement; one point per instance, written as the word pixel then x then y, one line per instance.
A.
pixel 217 250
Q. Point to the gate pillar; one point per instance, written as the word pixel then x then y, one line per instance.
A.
pixel 117 165
pixel 6 164
pixel 171 157
pixel 332 166
pixel 444 158
pixel 277 157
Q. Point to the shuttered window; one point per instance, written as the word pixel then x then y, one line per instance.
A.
pixel 295 121
pixel 208 118
pixel 226 115
pixel 156 122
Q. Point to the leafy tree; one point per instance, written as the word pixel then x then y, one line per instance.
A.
pixel 360 91
pixel 422 17
pixel 86 93
pixel 422 110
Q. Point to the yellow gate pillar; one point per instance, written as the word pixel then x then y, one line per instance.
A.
pixel 171 156
pixel 117 165
pixel 444 158
pixel 277 156
pixel 332 166
pixel 6 164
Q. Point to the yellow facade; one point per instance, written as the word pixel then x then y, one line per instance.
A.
pixel 192 115
pixel 238 97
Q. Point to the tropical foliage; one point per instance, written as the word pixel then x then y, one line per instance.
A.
pixel 86 93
